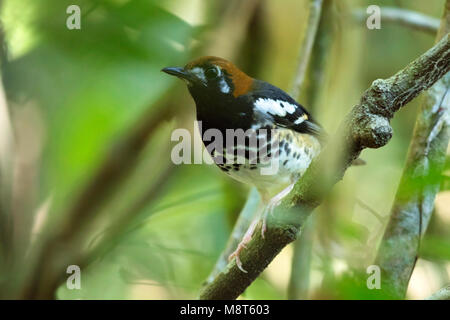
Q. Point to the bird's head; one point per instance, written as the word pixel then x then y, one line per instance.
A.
pixel 210 76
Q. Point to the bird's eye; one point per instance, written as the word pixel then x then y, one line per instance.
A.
pixel 212 73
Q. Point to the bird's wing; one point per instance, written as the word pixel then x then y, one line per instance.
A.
pixel 273 105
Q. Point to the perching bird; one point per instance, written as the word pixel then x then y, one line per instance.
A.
pixel 227 98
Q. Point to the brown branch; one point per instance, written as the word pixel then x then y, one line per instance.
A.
pixel 315 9
pixel 367 126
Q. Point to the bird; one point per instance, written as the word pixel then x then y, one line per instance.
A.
pixel 226 98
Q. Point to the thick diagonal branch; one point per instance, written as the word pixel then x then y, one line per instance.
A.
pixel 367 126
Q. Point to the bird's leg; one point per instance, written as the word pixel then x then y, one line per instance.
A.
pixel 247 237
pixel 273 203
pixel 261 215
pixel 243 244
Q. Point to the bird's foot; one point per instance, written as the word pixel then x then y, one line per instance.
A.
pixel 236 253
pixel 243 244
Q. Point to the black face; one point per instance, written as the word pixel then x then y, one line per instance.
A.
pixel 211 88
pixel 207 79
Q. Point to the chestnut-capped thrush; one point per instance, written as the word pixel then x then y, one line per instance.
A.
pixel 227 98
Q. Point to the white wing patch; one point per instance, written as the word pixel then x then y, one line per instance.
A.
pixel 274 107
pixel 267 106
pixel 301 119
pixel 289 107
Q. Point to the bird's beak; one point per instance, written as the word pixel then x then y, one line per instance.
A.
pixel 179 73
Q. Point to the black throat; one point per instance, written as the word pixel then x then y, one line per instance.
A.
pixel 221 111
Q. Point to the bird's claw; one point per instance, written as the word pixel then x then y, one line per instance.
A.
pixel 263 227
pixel 235 255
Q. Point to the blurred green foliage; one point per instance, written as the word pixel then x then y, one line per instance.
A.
pixel 92 84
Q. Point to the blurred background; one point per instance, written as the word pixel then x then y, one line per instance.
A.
pixel 85 145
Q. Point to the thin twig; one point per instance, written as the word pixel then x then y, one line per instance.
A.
pixel 6 160
pixel 407 18
pixel 118 164
pixel 302 248
pixel 7 154
pixel 364 205
pixel 241 225
pixel 315 9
